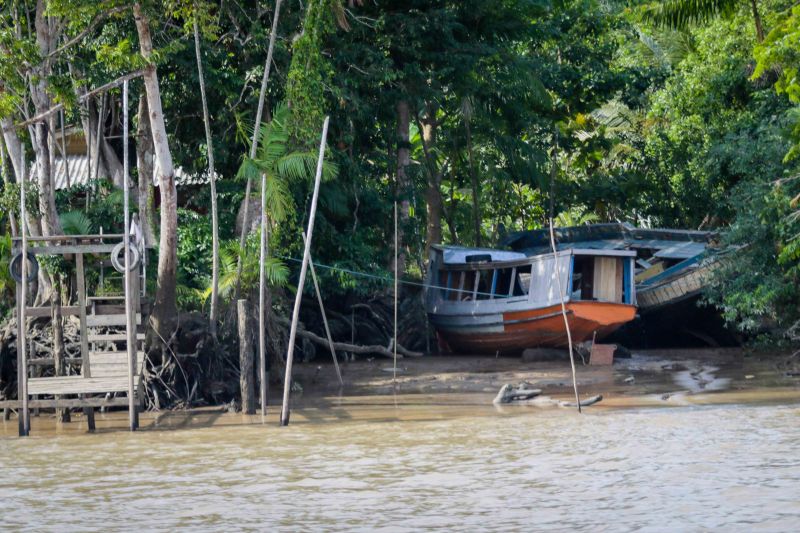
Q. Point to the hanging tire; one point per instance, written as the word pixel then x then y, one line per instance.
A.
pixel 118 259
pixel 15 267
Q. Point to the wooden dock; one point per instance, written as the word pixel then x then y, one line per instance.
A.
pixel 107 324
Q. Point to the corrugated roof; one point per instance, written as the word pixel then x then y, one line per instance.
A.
pixel 77 168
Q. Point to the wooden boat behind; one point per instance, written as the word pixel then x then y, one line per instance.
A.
pixel 489 301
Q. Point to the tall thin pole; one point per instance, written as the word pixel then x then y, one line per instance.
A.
pixel 130 326
pixel 25 422
pixel 394 343
pixel 287 382
pixel 212 182
pixel 254 145
pixel 262 302
pixel 564 314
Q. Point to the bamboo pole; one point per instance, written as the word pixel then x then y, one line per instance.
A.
pixel 394 342
pixel 25 422
pixel 130 327
pixel 254 147
pixel 287 382
pixel 212 177
pixel 262 302
pixel 324 316
pixel 564 314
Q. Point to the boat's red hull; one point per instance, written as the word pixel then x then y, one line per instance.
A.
pixel 541 327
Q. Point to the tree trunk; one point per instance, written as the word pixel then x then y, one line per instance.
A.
pixel 164 305
pixel 403 184
pixel 476 188
pixel 433 193
pixel 144 165
pixel 212 318
pixel 104 160
pixel 757 19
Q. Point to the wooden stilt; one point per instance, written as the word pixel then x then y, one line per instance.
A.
pixel 130 317
pixel 287 382
pixel 86 367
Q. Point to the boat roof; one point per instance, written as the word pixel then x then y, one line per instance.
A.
pixel 667 243
pixel 457 255
pixel 491 258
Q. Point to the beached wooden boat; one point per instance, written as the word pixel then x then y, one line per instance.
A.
pixel 489 301
pixel 672 265
pixel 679 282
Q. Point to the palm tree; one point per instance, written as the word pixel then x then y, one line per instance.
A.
pixel 282 167
pixel 679 14
pixel 576 216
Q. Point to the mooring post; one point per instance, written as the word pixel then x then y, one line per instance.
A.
pixel 262 303
pixel 394 340
pixel 287 382
pixel 246 385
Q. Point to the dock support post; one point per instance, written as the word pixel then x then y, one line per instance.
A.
pixel 130 323
pixel 287 382
pixel 22 297
pixel 245 359
pixel 86 368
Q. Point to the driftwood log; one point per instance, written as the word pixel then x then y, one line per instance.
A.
pixel 376 349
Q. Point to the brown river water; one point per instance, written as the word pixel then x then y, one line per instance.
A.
pixel 410 463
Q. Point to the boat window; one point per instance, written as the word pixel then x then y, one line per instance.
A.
pixel 523 281
pixel 484 284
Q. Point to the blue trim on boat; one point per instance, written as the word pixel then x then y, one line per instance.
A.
pixel 671 271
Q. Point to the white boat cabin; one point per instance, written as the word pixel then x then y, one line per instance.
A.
pixel 461 275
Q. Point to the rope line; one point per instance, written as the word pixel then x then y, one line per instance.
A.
pixel 387 279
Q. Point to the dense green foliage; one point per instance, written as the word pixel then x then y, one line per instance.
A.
pixel 668 114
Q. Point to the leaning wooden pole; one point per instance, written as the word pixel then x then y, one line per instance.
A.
pixel 324 316
pixel 564 314
pixel 287 381
pixel 254 144
pixel 22 341
pixel 130 325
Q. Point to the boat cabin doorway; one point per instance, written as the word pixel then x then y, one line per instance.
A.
pixel 601 279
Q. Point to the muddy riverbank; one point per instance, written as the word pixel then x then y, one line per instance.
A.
pixel 452 386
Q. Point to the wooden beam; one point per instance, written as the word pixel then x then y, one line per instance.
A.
pixel 72 403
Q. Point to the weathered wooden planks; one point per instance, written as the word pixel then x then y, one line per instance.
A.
pixel 79 385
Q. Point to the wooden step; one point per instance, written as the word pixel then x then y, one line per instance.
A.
pixel 111 364
pixel 79 385
pixel 93 321
pixel 113 337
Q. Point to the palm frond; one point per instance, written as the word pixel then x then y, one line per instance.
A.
pixel 279 198
pixel 302 166
pixel 679 14
pixel 76 223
